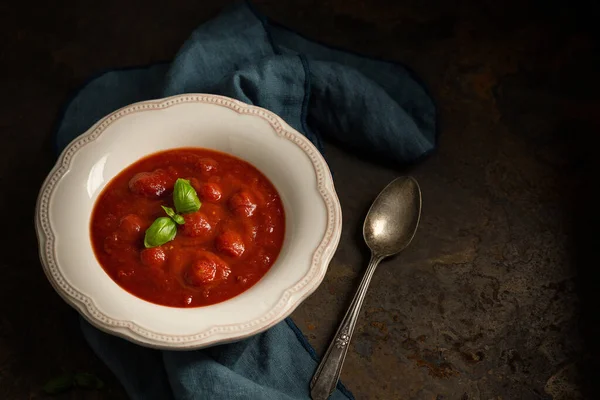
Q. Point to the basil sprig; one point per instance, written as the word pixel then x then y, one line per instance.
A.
pixel 185 198
pixel 164 229
pixel 176 217
pixel 161 231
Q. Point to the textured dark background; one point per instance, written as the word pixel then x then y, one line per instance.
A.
pixel 494 299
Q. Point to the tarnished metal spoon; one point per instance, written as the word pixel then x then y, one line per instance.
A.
pixel 389 228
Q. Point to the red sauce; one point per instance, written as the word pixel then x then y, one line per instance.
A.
pixel 220 251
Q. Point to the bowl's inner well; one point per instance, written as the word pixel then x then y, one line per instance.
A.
pixel 224 232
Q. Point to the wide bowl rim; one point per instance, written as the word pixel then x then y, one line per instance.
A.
pixel 292 297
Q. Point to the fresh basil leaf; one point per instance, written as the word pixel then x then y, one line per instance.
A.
pixel 59 384
pixel 176 217
pixel 185 198
pixel 161 231
pixel 86 380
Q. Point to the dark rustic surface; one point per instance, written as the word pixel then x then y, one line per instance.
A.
pixel 489 302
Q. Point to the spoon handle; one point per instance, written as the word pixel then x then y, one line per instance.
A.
pixel 328 373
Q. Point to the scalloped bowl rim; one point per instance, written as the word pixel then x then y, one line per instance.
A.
pixel 292 296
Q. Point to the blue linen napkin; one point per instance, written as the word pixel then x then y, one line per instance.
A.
pixel 374 107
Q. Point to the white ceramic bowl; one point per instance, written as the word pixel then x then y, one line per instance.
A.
pixel 287 158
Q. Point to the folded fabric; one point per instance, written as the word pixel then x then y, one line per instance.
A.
pixel 375 107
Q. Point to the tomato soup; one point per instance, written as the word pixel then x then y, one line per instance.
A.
pixel 188 227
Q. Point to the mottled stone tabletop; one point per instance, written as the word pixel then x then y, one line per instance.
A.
pixel 486 303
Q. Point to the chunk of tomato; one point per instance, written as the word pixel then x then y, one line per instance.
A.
pixel 151 184
pixel 130 227
pixel 196 225
pixel 242 204
pixel 207 191
pixel 206 268
pixel 114 242
pixel 207 165
pixel 210 192
pixel 153 257
pixel 230 243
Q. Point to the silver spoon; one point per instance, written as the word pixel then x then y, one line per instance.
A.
pixel 389 228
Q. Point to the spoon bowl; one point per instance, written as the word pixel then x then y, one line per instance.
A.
pixel 393 218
